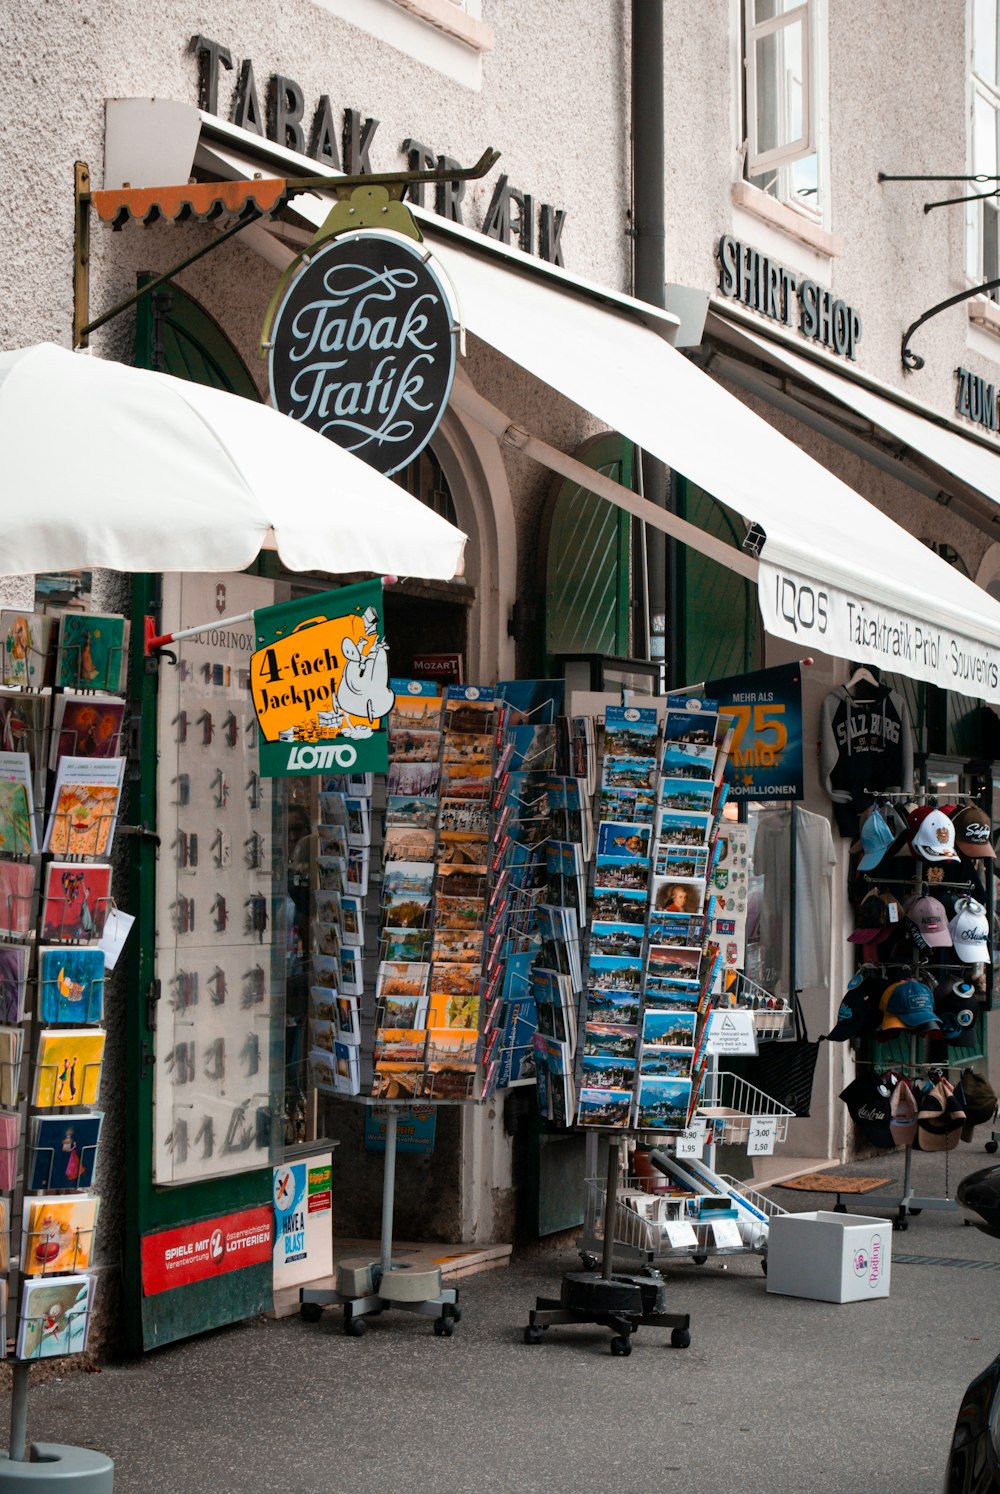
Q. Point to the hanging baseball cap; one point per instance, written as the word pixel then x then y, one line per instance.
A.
pixel 980 1101
pixel 956 1005
pixel 876 838
pixel 973 832
pixel 868 1101
pixel 907 1004
pixel 970 932
pixel 931 834
pixel 872 920
pixel 929 920
pixel 940 1117
pixel 858 1012
pixel 903 1115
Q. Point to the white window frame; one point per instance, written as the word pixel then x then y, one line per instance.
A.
pixel 806 144
pixel 976 268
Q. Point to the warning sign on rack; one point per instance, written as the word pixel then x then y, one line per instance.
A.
pixel 732 1034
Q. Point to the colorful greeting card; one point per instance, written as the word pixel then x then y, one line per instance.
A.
pixel 11 1047
pixel 17 824
pixel 17 883
pixel 13 978
pixel 58 1234
pixel 26 638
pixel 70 984
pixel 75 901
pixel 84 806
pixel 86 726
pixel 63 1151
pixel 68 1067
pixel 55 1317
pixel 92 651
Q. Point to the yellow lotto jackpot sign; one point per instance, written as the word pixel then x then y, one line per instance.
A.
pixel 320 684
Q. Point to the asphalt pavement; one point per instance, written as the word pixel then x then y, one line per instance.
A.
pixel 775 1395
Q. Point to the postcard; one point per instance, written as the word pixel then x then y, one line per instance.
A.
pixel 84 806
pixel 92 653
pixel 662 1103
pixel 690 720
pixel 681 861
pixel 667 995
pixel 86 726
pixel 677 828
pixel 54 1317
pixel 70 984
pixel 347 1011
pixel 10 1136
pixel 23 720
pixel 328 908
pixel 418 812
pixel 604 1107
pixel 323 1003
pixel 678 895
pixel 673 962
pixel 621 872
pixel 402 878
pixel 326 939
pixel 689 759
pixel 620 841
pixel 402 843
pixel 17 819
pixel 459 945
pixel 620 904
pixel 321 1034
pixel 11 1045
pixel 463 817
pixel 357 870
pixel 68 1067
pixel 351 973
pixel 614 973
pixel 468 747
pixel 607 1073
pixel 630 731
pixel 459 912
pixel 406 910
pixel 331 873
pixel 616 938
pixel 668 1029
pixel 628 773
pixel 633 805
pixel 610 1039
pixel 347 1069
pixel 687 795
pixel 404 943
pixel 13 979
pixel 27 639
pixel 417 780
pixel 423 712
pixel 75 901
pixel 58 1233
pixel 352 920
pixel 665 1063
pixel 463 780
pixel 454 1009
pixel 613 1006
pixel 407 746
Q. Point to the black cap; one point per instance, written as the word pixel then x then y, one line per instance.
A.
pixel 858 1012
pixel 869 1104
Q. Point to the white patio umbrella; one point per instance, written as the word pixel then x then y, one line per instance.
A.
pixel 106 465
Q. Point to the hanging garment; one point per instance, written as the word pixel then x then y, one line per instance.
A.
pixel 866 748
pixel 815 860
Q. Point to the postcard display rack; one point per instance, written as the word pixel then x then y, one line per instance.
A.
pixel 435 1010
pixel 625 992
pixel 62 713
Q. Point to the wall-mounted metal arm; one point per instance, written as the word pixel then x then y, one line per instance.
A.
pixel 913 360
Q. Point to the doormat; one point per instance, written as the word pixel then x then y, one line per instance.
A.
pixel 832 1182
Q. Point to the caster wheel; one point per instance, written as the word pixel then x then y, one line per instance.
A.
pixel 590 1262
pixel 621 1348
pixel 991 1146
pixel 967 1223
pixel 699 1260
pixel 900 1224
pixel 310 1312
pixel 763 1267
pixel 355 1327
pixel 443 1327
pixel 840 1208
pixel 533 1335
pixel 455 1314
pixel 680 1338
pixel 915 1212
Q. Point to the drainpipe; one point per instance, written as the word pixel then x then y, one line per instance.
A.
pixel 648 278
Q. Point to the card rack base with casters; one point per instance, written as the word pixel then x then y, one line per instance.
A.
pixel 365 1289
pixel 621 1302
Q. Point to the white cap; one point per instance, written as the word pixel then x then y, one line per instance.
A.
pixel 970 932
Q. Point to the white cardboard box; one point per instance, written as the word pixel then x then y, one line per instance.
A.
pixel 829 1257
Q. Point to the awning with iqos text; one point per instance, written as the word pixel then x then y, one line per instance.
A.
pixel 835 574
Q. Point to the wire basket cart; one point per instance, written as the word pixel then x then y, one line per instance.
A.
pixel 730 1105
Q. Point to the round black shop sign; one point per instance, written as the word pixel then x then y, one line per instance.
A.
pixel 363 348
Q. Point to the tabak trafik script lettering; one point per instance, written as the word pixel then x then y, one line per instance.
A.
pixel 363 348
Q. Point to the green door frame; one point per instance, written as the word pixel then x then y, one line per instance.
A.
pixel 191 1309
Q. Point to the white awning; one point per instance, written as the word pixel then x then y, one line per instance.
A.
pixel 952 452
pixel 836 575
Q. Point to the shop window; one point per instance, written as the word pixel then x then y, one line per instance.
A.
pixel 782 101
pixel 983 217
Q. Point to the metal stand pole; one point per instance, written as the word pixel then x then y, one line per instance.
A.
pixel 610 1207
pixel 388 1189
pixel 19 1412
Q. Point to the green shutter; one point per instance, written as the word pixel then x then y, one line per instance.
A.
pixel 720 627
pixel 587 558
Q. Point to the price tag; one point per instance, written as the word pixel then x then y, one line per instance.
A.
pixel 680 1234
pixel 691 1143
pixel 726 1234
pixel 762 1135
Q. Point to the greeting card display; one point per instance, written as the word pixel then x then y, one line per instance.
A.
pixel 67 1067
pixel 75 902
pixel 54 1318
pixel 70 984
pixel 62 1151
pixel 84 806
pixel 92 652
pixel 27 639
pixel 58 1233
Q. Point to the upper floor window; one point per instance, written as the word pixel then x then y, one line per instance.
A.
pixel 982 218
pixel 781 101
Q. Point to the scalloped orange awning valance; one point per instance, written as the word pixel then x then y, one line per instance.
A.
pixel 202 200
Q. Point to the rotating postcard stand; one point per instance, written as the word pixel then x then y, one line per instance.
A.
pixel 609 1299
pixel 365 1288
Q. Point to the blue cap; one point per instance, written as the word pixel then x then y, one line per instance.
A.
pixel 876 838
pixel 908 1003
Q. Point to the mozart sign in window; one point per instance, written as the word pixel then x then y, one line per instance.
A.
pixel 363 347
